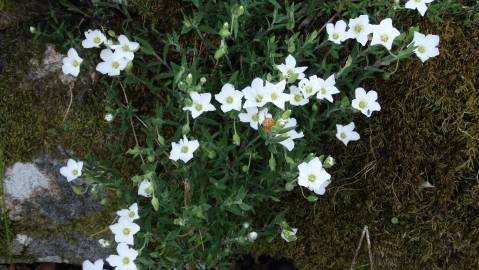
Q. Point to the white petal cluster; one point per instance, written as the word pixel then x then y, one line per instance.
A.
pixel 124 259
pixel 290 136
pixel 73 170
pixel 313 176
pixel 346 133
pixel 115 57
pixel 230 98
pixel 200 103
pixel 97 265
pixel 366 102
pixel 146 188
pixel 183 149
pixel 420 5
pixel 426 46
pixel 337 32
pixel 71 63
pixel 289 70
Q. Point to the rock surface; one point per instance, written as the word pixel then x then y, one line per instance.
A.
pixel 49 218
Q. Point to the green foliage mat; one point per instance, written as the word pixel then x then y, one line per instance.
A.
pixel 428 130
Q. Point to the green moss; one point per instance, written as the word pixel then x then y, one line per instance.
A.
pixel 31 111
pixel 427 130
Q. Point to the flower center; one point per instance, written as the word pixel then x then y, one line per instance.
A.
pixel 384 38
pixel 126 231
pixel 274 96
pixel 125 48
pixel 259 98
pixel 342 135
pixel 149 190
pixel 290 73
pixel 198 107
pixel 97 40
pixel 421 49
pixel 335 36
pixel 358 28
pixel 75 172
pixel 125 260
pixel 362 104
pixel 255 117
pixel 229 100
pixel 323 91
pixel 131 214
pixel 297 98
pixel 308 89
pixel 311 178
pixel 115 65
pixel 184 149
pixel 75 63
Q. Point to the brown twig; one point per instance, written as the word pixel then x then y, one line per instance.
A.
pixel 365 233
pixel 72 85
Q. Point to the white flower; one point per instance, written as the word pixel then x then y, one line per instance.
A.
pixel 124 231
pixel 125 258
pixel 97 265
pixel 108 117
pixel 296 97
pixel 146 188
pixel 126 47
pixel 365 101
pixel 313 176
pixel 230 98
pixel 245 225
pixel 73 170
pixel 32 29
pixel 359 29
pixel 23 239
pixel 114 62
pixel 289 235
pixel 184 149
pixel 426 46
pixel 71 63
pixel 104 243
pixel 337 32
pixel 200 104
pixel 276 93
pixel 289 69
pixel 93 39
pixel 420 5
pixel 327 88
pixel 346 133
pixel 329 162
pixel 255 95
pixel 290 135
pixel 310 86
pixel 252 236
pixel 384 33
pixel 130 214
pixel 253 116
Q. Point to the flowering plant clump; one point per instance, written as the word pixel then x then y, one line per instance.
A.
pixel 230 124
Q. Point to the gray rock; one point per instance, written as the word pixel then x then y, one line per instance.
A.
pixel 49 215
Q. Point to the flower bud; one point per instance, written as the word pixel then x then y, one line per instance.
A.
pixel 108 117
pixel 151 158
pixel 189 79
pixel 111 33
pixel 211 154
pixel 245 168
pixel 185 129
pixel 236 139
pixel 32 29
pixel 155 203
pixel 202 80
pixel 252 236
pixel 272 163
pixel 286 115
pixel 315 107
pixel 182 86
pixel 161 139
pixel 239 11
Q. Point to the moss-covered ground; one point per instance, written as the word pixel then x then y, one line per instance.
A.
pixel 427 130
